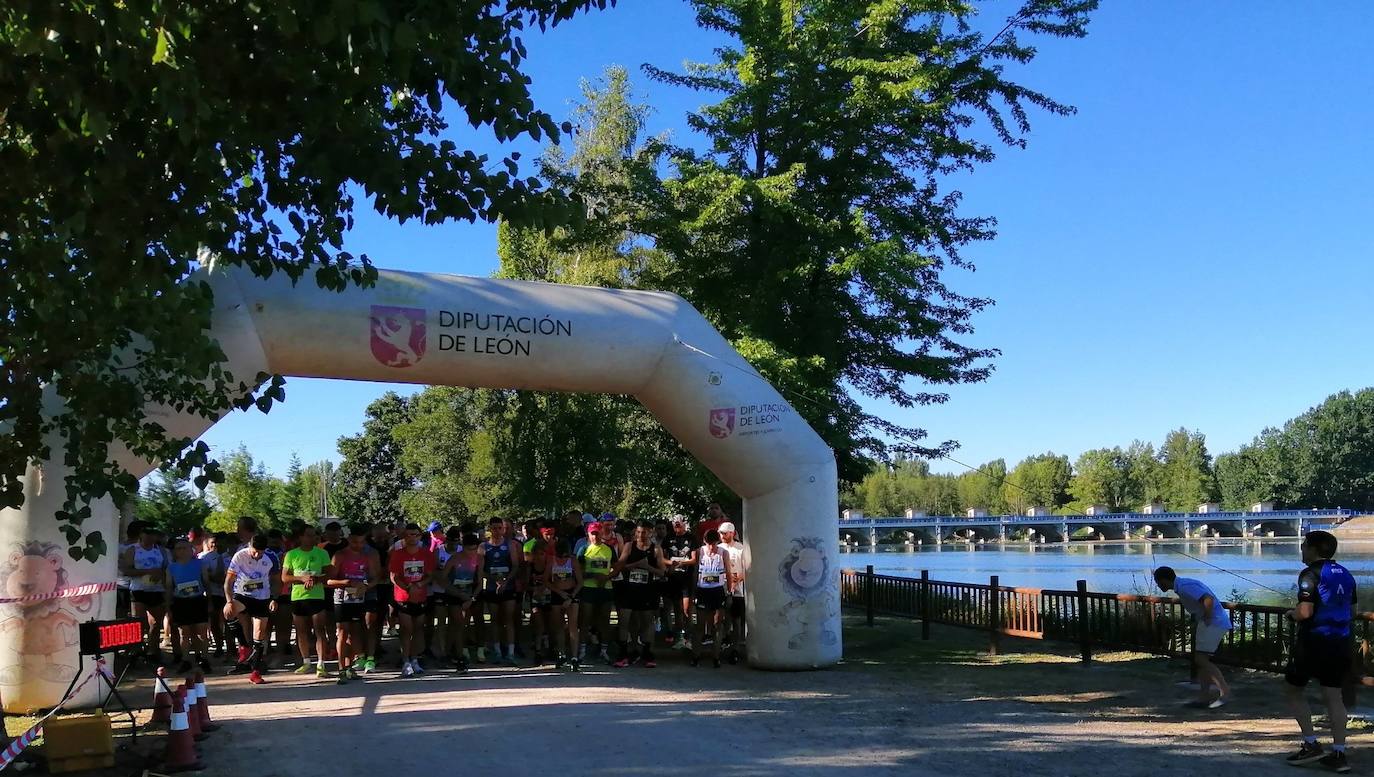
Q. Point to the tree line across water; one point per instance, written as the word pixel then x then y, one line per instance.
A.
pixel 1322 458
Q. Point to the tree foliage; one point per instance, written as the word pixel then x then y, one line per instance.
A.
pixel 246 490
pixel 168 502
pixel 245 133
pixel 371 478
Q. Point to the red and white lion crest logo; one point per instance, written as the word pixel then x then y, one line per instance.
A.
pixel 398 335
pixel 722 422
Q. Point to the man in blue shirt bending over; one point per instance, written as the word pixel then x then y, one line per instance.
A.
pixel 1322 650
pixel 1211 625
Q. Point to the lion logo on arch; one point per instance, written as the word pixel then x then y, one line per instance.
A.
pixel 805 573
pixel 398 335
pixel 34 569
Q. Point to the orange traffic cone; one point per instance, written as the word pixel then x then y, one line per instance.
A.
pixel 192 719
pixel 203 704
pixel 180 755
pixel 162 699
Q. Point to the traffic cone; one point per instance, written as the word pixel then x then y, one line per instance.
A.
pixel 203 704
pixel 192 719
pixel 180 755
pixel 162 699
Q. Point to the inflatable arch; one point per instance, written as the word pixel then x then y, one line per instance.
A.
pixel 485 333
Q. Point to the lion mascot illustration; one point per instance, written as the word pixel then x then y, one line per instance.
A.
pixel 49 629
pixel 806 576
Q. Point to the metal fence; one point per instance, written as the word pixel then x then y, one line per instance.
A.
pixel 1260 636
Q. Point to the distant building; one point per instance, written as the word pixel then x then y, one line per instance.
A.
pixel 1038 512
pixel 1262 507
pixel 1209 507
pixel 977 512
pixel 910 513
pixel 1097 510
pixel 1153 508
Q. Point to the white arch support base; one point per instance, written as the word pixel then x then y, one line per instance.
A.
pixel 485 333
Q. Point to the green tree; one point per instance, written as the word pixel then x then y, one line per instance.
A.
pixel 1186 478
pixel 169 503
pixel 1102 477
pixel 983 488
pixel 1143 475
pixel 246 490
pixel 816 228
pixel 1038 481
pixel 289 493
pixel 317 500
pixel 371 480
pixel 247 130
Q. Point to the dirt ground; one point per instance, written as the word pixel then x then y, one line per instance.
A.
pixel 897 706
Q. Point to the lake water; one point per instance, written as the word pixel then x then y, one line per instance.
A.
pixel 1120 567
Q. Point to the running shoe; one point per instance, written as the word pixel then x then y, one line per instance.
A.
pixel 244 652
pixel 256 678
pixel 511 660
pixel 203 663
pixel 343 678
pixel 239 668
pixel 1216 703
pixel 1310 752
pixel 621 663
pixel 650 663
pixel 1335 761
pixel 419 669
pixel 408 670
pixel 320 671
pixel 560 661
pixel 461 666
pixel 304 668
pixel 575 665
pixel 369 664
pixel 352 673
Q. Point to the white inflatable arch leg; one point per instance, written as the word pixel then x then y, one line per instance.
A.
pixel 486 333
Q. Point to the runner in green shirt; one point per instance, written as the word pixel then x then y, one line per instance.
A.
pixel 305 568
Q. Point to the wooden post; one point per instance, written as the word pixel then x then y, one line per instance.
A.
pixel 994 615
pixel 925 604
pixel 868 593
pixel 1085 641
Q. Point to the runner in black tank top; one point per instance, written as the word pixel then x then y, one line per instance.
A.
pixel 641 563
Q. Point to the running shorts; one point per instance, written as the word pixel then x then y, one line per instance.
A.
pixel 1207 639
pixel 351 612
pixel 190 611
pixel 252 607
pixel 560 598
pixel 498 596
pixel 284 604
pixel 1326 660
pixel 541 599
pixel 710 599
pixel 306 608
pixel 640 596
pixel 595 597
pixel 149 598
pixel 413 609
pixel 620 595
pixel 736 606
pixel 435 602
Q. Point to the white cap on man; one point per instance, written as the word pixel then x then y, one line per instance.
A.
pixel 727 526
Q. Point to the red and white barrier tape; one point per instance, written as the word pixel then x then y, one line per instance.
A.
pixel 35 731
pixel 63 593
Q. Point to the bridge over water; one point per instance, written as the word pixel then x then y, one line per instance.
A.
pixel 857 528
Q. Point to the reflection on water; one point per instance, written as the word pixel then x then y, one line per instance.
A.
pixel 1122 567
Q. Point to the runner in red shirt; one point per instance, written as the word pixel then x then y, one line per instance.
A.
pixel 714 518
pixel 411 567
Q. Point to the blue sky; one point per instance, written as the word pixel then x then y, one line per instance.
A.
pixel 1193 248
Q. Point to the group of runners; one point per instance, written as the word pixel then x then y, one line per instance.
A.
pixel 1322 648
pixel 564 591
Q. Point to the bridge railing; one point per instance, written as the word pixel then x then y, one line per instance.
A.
pixel 1130 517
pixel 1260 638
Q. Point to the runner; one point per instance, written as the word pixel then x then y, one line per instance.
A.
pixel 1213 623
pixel 565 585
pixel 145 565
pixel 713 570
pixel 537 552
pixel 463 573
pixel 438 640
pixel 680 551
pixel 123 601
pixel 501 562
pixel 214 558
pixel 355 573
pixel 379 542
pixel 641 563
pixel 306 569
pixel 412 567
pixel 334 540
pixel 251 584
pixel 596 559
pixel 437 536
pixel 281 617
pixel 1322 650
pixel 714 518
pixel 187 580
pixel 618 538
pixel 734 612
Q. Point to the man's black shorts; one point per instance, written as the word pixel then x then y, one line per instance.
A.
pixel 413 609
pixel 190 611
pixel 149 598
pixel 350 612
pixel 710 599
pixel 306 608
pixel 1327 660
pixel 253 608
pixel 499 596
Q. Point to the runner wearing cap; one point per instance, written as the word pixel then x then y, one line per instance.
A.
pixel 306 569
pixel 713 573
pixel 680 553
pixel 462 574
pixel 251 584
pixel 641 565
pixel 187 579
pixel 565 585
pixel 501 562
pixel 145 565
pixel 734 611
pixel 437 535
pixel 411 567
pixel 354 574
pixel 595 601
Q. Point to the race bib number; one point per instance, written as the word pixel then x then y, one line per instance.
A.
pixel 498 574
pixel 562 577
pixel 599 566
pixel 252 585
pixel 188 589
pixel 148 580
pixel 639 576
pixel 353 594
pixel 710 578
pixel 413 570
